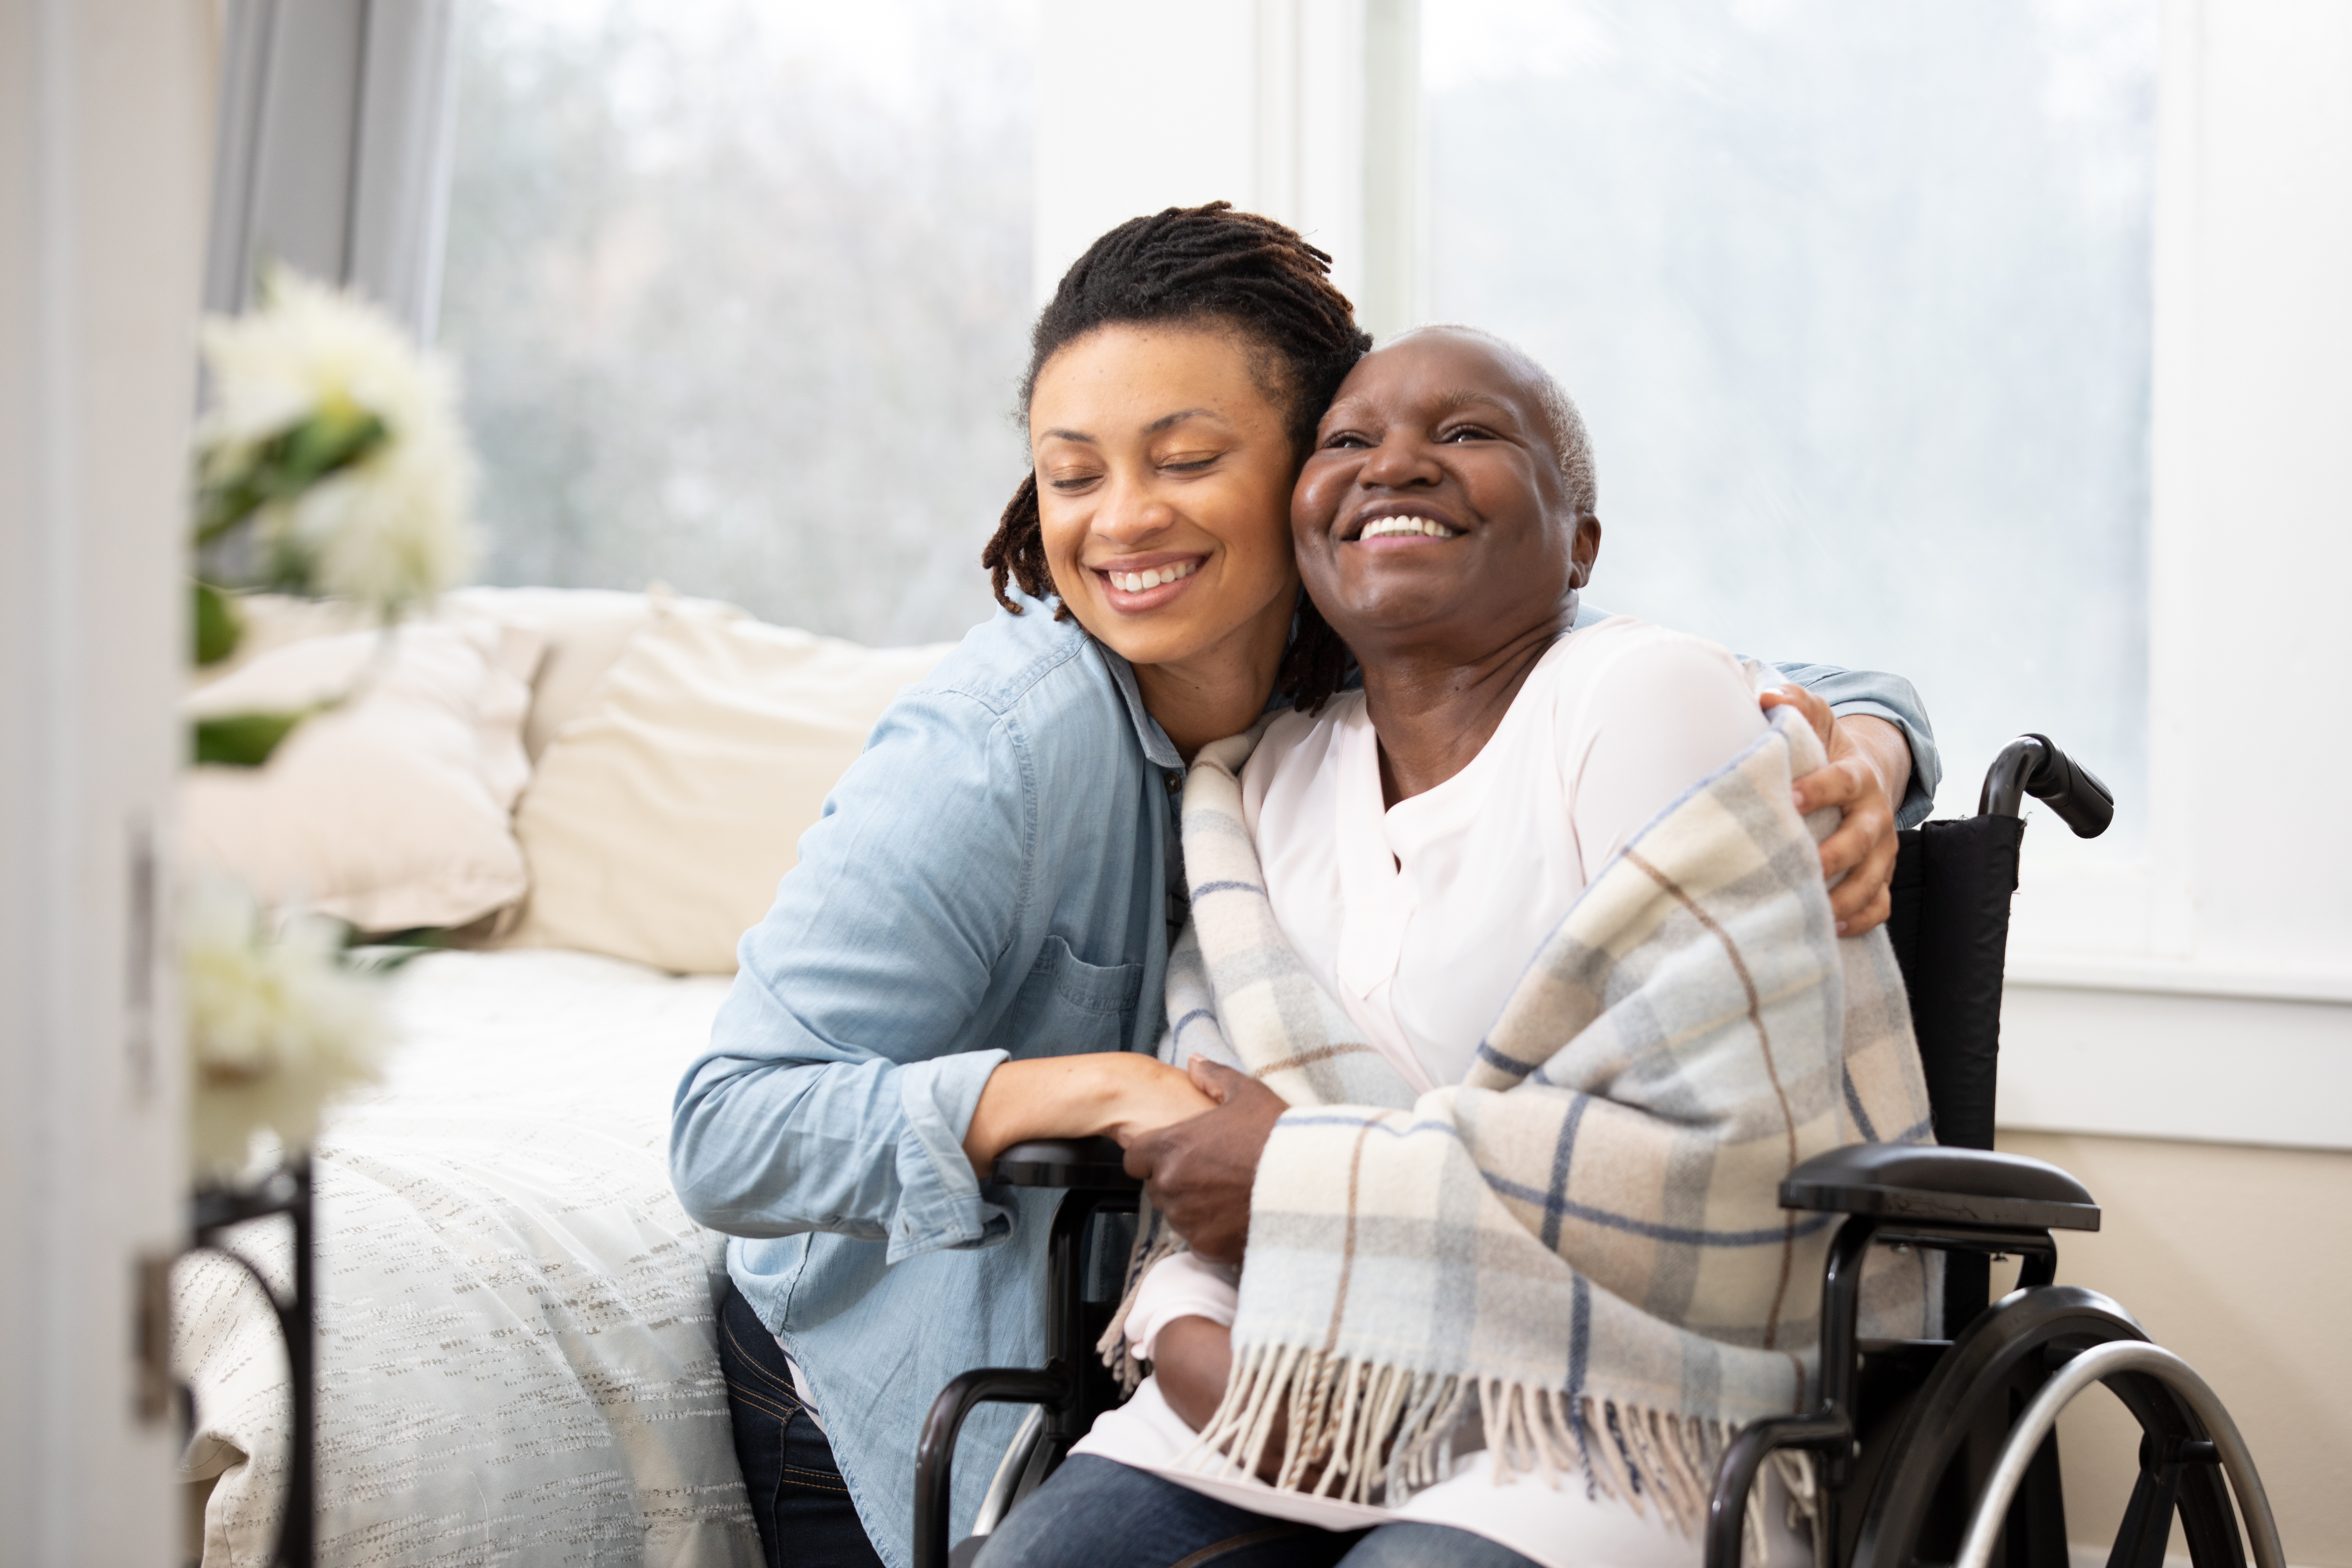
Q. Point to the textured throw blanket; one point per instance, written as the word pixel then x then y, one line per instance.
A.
pixel 1581 1245
pixel 518 1360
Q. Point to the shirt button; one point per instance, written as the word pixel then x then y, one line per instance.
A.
pixel 1175 783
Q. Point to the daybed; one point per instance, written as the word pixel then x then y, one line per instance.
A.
pixel 597 792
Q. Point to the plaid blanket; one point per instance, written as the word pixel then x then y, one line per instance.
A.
pixel 1582 1243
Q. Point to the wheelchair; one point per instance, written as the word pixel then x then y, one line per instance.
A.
pixel 1923 1451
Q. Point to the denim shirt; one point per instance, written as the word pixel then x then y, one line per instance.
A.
pixel 995 877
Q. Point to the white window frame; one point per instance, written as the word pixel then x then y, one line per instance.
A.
pixel 332 147
pixel 2217 1002
pixel 1306 110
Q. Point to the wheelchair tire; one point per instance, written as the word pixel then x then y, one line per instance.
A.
pixel 1948 1436
pixel 1948 1433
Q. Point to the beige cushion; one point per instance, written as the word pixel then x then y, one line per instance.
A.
pixel 661 817
pixel 584 630
pixel 267 622
pixel 392 811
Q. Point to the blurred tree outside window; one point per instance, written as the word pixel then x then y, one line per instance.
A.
pixel 1855 300
pixel 741 289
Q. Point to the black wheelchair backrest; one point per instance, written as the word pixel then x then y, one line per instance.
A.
pixel 1949 927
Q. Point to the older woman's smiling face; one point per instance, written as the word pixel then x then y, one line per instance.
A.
pixel 1432 515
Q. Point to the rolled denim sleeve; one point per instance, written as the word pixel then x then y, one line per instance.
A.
pixel 1852 692
pixel 843 1068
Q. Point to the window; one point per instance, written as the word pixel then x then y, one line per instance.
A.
pixel 740 293
pixel 1856 301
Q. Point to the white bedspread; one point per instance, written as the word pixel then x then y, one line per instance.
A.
pixel 516 1360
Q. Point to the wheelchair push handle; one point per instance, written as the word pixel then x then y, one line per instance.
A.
pixel 2032 764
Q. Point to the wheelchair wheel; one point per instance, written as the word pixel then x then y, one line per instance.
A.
pixel 1951 1435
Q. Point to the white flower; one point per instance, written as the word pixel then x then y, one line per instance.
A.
pixel 308 346
pixel 276 1024
pixel 390 529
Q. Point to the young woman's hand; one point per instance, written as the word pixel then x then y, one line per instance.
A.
pixel 1869 769
pixel 1114 1094
pixel 1155 1096
pixel 1199 1172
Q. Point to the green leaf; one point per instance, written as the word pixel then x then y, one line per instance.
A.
pixel 216 624
pixel 329 439
pixel 286 464
pixel 243 739
pixel 395 950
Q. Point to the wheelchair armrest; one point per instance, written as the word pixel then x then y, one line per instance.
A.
pixel 1947 1187
pixel 1093 1164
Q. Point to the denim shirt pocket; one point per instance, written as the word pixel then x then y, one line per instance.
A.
pixel 1068 1007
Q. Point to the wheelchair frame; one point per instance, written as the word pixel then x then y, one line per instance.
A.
pixel 1072 1388
pixel 1920 1446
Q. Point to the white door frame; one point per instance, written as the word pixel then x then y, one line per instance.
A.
pixel 104 131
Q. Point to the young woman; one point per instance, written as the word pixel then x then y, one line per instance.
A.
pixel 972 948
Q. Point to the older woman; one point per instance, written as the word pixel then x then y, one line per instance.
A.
pixel 1415 843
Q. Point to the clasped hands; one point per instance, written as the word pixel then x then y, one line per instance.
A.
pixel 1198 1174
pixel 1193 1137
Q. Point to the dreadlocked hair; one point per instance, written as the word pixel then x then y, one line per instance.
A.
pixel 1206 265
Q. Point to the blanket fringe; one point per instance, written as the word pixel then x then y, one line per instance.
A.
pixel 1372 1433
pixel 1153 1241
pixel 1796 1469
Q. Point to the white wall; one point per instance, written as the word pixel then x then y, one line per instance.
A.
pixel 103 133
pixel 2208 994
pixel 1306 111
pixel 2211 1247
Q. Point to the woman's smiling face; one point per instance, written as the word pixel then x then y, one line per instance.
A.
pixel 1163 490
pixel 1433 510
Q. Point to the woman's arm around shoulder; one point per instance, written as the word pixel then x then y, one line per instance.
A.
pixel 1909 752
pixel 1885 716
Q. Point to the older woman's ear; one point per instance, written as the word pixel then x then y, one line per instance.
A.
pixel 1585 551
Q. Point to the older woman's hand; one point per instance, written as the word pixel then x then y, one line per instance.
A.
pixel 1192 1361
pixel 1869 769
pixel 1199 1172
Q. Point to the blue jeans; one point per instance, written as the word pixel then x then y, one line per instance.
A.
pixel 1097 1513
pixel 803 1508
